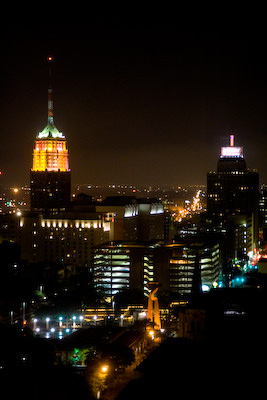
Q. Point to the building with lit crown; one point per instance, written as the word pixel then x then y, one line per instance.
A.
pixel 50 173
pixel 232 200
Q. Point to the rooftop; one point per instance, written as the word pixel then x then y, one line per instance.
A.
pixel 50 132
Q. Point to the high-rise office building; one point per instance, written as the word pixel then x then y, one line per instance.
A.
pixel 232 198
pixel 50 173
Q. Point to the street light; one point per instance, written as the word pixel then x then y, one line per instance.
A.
pixel 74 321
pixel 100 379
pixel 34 323
pixel 104 368
pixel 152 334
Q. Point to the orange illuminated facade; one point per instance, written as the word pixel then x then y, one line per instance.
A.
pixel 50 154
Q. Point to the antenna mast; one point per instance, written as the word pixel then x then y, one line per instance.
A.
pixel 50 92
pixel 232 140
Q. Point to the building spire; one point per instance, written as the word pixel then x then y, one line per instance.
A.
pixel 232 140
pixel 50 92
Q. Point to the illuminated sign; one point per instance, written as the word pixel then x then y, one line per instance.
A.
pixel 231 151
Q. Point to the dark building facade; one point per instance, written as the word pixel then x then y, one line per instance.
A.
pixel 263 213
pixel 50 191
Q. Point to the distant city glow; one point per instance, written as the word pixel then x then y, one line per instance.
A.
pixel 190 208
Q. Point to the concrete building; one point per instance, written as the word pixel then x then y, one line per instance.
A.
pixel 136 218
pixel 183 259
pixel 67 239
pixel 123 265
pixel 129 265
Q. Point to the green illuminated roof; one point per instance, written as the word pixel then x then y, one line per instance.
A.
pixel 50 132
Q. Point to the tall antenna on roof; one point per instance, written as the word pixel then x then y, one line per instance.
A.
pixel 232 140
pixel 50 60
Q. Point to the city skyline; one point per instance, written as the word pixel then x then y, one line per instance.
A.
pixel 140 105
pixel 133 227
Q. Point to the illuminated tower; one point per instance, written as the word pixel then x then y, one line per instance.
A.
pixel 233 189
pixel 50 173
pixel 232 199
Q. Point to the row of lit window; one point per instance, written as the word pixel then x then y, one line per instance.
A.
pixel 77 225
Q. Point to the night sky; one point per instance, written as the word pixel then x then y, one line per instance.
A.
pixel 139 104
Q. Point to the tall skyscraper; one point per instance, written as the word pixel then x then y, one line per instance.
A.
pixel 50 173
pixel 232 198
